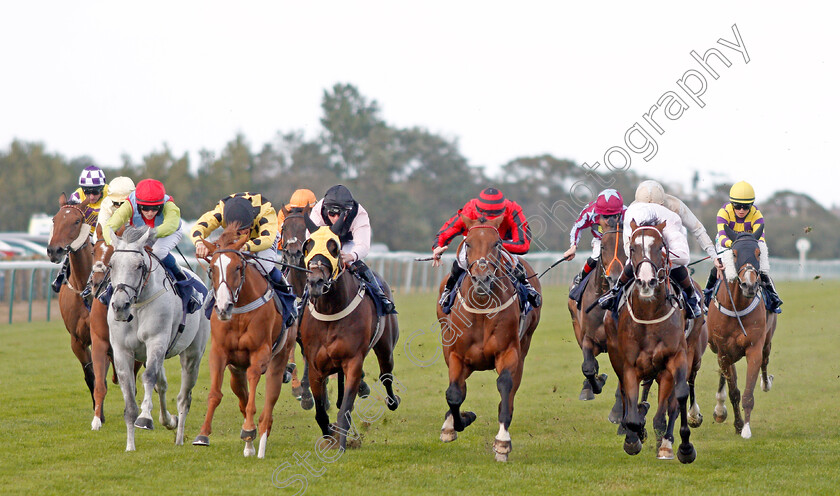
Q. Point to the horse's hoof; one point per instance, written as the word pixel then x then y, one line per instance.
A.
pixel 201 440
pixel 686 453
pixel 765 386
pixel 746 433
pixel 287 377
pixel 297 392
pixel 720 417
pixel 502 448
pixel 95 424
pixel 144 423
pixel 307 401
pixel 249 449
pixel 248 435
pixel 364 390
pixel 325 443
pixel 586 393
pixel 448 435
pixel 353 442
pixel 632 448
pixel 173 423
pixel 644 407
pixel 621 430
pixel 467 418
pixel 695 421
pixel 501 457
pixel 665 451
pixel 615 415
pixel 393 404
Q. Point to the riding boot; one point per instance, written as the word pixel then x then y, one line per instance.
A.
pixel 608 300
pixel 62 276
pixel 586 269
pixel 710 287
pixel 285 294
pixel 692 306
pixel 534 296
pixel 773 299
pixel 454 275
pixel 182 282
pixel 368 276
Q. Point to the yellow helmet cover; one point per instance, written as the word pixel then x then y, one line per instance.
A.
pixel 742 192
pixel 319 244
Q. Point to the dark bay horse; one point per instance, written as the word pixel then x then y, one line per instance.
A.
pixel 292 237
pixel 247 336
pixel 648 342
pixel 338 327
pixel 70 237
pixel 740 326
pixel 484 330
pixel 589 326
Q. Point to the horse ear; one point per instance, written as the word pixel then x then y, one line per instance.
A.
pixel 661 227
pixel 285 211
pixel 111 234
pixel 496 221
pixel 333 248
pixel 62 200
pixel 86 202
pixel 98 231
pixel 151 237
pixel 467 221
pixel 239 244
pixel 633 225
pixel 310 224
pixel 758 232
pixel 211 248
pixel 730 233
pixel 307 247
pixel 339 224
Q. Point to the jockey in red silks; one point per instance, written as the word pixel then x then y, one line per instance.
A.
pixel 514 231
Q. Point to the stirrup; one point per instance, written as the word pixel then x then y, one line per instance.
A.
pixel 444 296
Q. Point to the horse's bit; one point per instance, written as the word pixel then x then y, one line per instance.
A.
pixel 145 274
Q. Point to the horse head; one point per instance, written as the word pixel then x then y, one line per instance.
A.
pixel 483 251
pixel 292 236
pixel 322 254
pixel 129 270
pixel 102 252
pixel 649 256
pixel 745 253
pixel 612 249
pixel 69 231
pixel 227 269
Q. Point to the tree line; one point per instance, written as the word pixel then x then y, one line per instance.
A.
pixel 409 179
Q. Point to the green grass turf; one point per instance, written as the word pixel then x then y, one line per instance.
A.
pixel 560 444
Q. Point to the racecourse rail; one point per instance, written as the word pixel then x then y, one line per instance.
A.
pixel 25 283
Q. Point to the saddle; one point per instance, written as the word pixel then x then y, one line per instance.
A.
pixel 371 291
pixel 521 291
pixel 576 293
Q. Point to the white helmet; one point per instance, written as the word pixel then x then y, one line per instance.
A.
pixel 120 188
pixel 650 192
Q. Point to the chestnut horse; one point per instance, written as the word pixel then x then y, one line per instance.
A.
pixel 292 236
pixel 70 237
pixel 648 342
pixel 247 336
pixel 589 325
pixel 338 327
pixel 740 325
pixel 485 331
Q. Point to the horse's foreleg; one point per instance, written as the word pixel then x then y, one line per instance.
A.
pixel 101 361
pixel 766 380
pixel 633 420
pixel 166 419
pixel 695 418
pixel 82 353
pixel 319 393
pixel 617 411
pixel 663 430
pixel 509 367
pixel 190 365
pixel 719 413
pixel 385 356
pixel 306 399
pixel 686 452
pixel 124 366
pixel 754 358
pixel 735 396
pixel 217 362
pixel 352 373
pixel 455 421
pixel 154 375
pixel 590 371
pixel 273 384
pixel 239 386
pixel 257 367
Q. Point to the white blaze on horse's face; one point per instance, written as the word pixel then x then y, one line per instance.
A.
pixel 646 272
pixel 224 297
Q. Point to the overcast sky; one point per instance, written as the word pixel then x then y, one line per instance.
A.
pixel 509 79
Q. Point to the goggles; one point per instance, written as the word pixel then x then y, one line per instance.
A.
pixel 92 191
pixel 149 208
pixel 741 206
pixel 334 210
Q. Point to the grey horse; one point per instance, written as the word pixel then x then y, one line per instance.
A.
pixel 144 318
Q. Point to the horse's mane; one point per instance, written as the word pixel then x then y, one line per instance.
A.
pixel 230 234
pixel 132 233
pixel 650 221
pixel 296 210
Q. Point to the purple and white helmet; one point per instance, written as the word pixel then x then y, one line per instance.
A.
pixel 92 177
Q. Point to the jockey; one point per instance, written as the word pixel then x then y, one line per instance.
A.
pixel 150 205
pixel 256 219
pixel 609 203
pixel 741 215
pixel 354 235
pixel 514 231
pixel 301 198
pixel 651 201
pixel 118 190
pixel 93 188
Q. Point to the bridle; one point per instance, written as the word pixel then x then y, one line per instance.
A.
pixel 483 262
pixel 663 272
pixel 605 268
pixel 84 236
pixel 240 268
pixel 145 275
pixel 330 280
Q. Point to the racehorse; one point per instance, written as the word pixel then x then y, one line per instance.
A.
pixel 589 325
pixel 647 342
pixel 292 236
pixel 740 325
pixel 248 337
pixel 485 331
pixel 100 345
pixel 144 320
pixel 71 237
pixel 338 327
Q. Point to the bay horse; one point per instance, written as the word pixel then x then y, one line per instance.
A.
pixel 70 236
pixel 248 338
pixel 338 328
pixel 741 326
pixel 589 325
pixel 144 322
pixel 292 237
pixel 484 331
pixel 647 342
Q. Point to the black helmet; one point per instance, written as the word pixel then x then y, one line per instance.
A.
pixel 339 196
pixel 238 209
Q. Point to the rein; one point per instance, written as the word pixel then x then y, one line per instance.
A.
pixel 145 275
